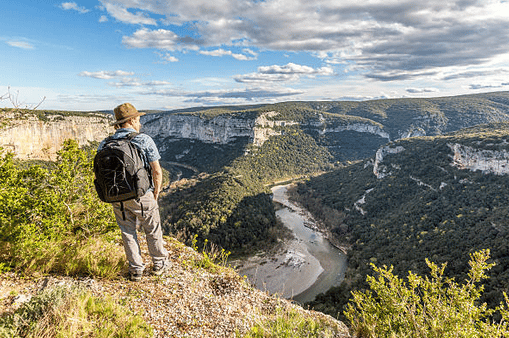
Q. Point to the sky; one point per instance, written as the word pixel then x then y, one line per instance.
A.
pixel 170 54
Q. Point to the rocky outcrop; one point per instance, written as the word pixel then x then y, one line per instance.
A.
pixel 379 169
pixel 358 127
pixel 361 201
pixel 486 161
pixel 225 128
pixel 221 129
pixel 35 139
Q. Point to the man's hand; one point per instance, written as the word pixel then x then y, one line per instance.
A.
pixel 157 176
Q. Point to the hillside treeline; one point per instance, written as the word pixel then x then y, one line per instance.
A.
pixel 423 208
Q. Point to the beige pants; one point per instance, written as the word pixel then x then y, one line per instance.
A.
pixel 147 219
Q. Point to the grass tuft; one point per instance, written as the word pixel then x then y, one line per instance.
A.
pixel 93 256
pixel 292 324
pixel 69 312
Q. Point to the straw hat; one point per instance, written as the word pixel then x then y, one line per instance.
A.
pixel 125 112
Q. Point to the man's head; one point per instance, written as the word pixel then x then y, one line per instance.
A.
pixel 126 114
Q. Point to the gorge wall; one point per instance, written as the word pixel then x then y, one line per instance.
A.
pixel 226 128
pixel 350 130
pixel 484 160
pixel 29 137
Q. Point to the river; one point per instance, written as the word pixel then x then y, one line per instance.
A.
pixel 308 265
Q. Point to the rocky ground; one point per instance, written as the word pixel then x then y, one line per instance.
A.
pixel 192 299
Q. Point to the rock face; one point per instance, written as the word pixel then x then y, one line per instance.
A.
pixel 221 129
pixel 464 157
pixel 31 138
pixel 380 170
pixel 224 129
pixel 360 128
pixel 486 161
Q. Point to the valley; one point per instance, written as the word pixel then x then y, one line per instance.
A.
pixel 400 180
pixel 430 202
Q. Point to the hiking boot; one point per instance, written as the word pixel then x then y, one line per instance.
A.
pixel 135 277
pixel 159 270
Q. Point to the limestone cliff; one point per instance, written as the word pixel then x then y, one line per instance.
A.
pixel 225 128
pixel 464 157
pixel 30 137
pixel 486 161
pixel 220 130
pixel 360 128
pixel 379 169
pixel 349 130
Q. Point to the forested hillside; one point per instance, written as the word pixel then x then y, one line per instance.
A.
pixel 233 208
pixel 420 198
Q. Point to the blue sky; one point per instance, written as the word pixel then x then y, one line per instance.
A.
pixel 157 54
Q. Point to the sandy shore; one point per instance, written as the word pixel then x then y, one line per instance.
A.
pixel 287 274
pixel 294 269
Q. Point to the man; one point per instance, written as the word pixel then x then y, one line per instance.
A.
pixel 143 212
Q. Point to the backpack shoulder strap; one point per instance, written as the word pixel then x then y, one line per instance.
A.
pixel 144 157
pixel 132 135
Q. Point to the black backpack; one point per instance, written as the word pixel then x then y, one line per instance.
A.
pixel 120 171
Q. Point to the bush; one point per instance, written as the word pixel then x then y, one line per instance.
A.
pixel 426 307
pixel 49 216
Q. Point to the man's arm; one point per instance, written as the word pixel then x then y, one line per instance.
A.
pixel 157 176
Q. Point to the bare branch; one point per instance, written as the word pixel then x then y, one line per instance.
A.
pixel 13 98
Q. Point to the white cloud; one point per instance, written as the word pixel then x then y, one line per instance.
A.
pixel 217 52
pixel 476 86
pixel 159 39
pixel 260 77
pixel 157 83
pixel 387 40
pixel 122 14
pixel 167 57
pixel 127 82
pixel 421 90
pixel 237 56
pixel 105 75
pixel 478 73
pixel 232 96
pixel 103 18
pixel 134 82
pixel 292 68
pixel 20 44
pixel 74 7
pixel 289 72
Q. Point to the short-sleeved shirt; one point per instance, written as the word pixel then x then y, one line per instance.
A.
pixel 144 142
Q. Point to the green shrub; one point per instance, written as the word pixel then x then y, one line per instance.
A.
pixel 49 216
pixel 426 307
